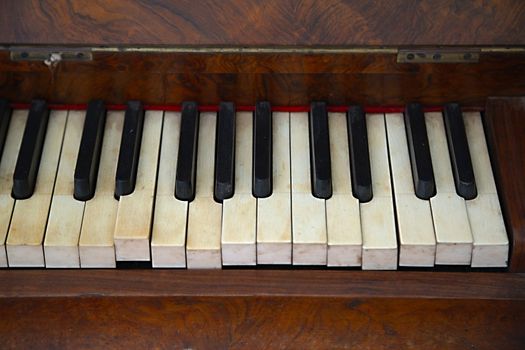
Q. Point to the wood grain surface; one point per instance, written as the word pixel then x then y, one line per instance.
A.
pixel 260 323
pixel 505 127
pixel 252 282
pixel 283 79
pixel 263 23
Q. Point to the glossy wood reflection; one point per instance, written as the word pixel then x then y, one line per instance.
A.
pixel 505 127
pixel 272 22
pixel 284 79
pixel 236 323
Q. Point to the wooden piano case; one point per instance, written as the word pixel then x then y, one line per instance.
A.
pixel 290 53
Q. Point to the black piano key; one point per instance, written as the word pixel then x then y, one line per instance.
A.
pixel 419 150
pixel 225 152
pixel 187 158
pixel 88 157
pixel 262 150
pixel 5 118
pixel 28 162
pixel 320 165
pixel 128 157
pixel 359 155
pixel 459 152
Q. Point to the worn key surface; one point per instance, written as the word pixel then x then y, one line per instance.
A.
pixel 320 167
pixel 66 212
pixel 359 154
pixel 7 167
pixel 168 234
pixel 28 223
pixel 129 153
pixel 186 161
pixel 274 213
pixel 377 216
pixel 417 242
pixel 239 212
pixel 96 245
pixel 449 213
pixel 262 150
pixel 135 210
pixel 203 247
pixel 459 152
pixel 419 150
pixel 343 220
pixel 89 151
pixel 308 212
pixel 490 241
pixel 225 152
pixel 27 165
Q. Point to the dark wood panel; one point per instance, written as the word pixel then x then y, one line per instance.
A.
pixel 312 283
pixel 260 323
pixel 283 79
pixel 261 23
pixel 505 122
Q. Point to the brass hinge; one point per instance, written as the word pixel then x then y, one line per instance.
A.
pixel 438 55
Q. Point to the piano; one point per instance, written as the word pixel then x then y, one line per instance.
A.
pixel 281 174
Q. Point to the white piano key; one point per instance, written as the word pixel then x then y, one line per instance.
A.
pixel 414 217
pixel 377 216
pixel 100 213
pixel 479 153
pixel 65 216
pixel 28 223
pixel 491 246
pixel 7 168
pixel 203 247
pixel 449 213
pixel 274 215
pixel 168 237
pixel 343 219
pixel 135 211
pixel 239 212
pixel 308 212
pixel 490 242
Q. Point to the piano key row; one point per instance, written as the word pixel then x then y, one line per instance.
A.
pixel 256 197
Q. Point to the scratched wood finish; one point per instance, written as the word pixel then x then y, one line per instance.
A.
pixel 505 127
pixel 268 22
pixel 283 79
pixel 251 282
pixel 260 323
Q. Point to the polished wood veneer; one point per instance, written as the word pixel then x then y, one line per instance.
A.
pixel 261 23
pixel 256 282
pixel 261 309
pixel 285 79
pixel 274 308
pixel 260 323
pixel 505 127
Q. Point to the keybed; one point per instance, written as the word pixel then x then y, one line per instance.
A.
pixel 199 190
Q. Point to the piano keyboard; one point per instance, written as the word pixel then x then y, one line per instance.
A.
pixel 204 190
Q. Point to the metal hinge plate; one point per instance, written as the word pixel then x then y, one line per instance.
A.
pixel 50 54
pixel 439 55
